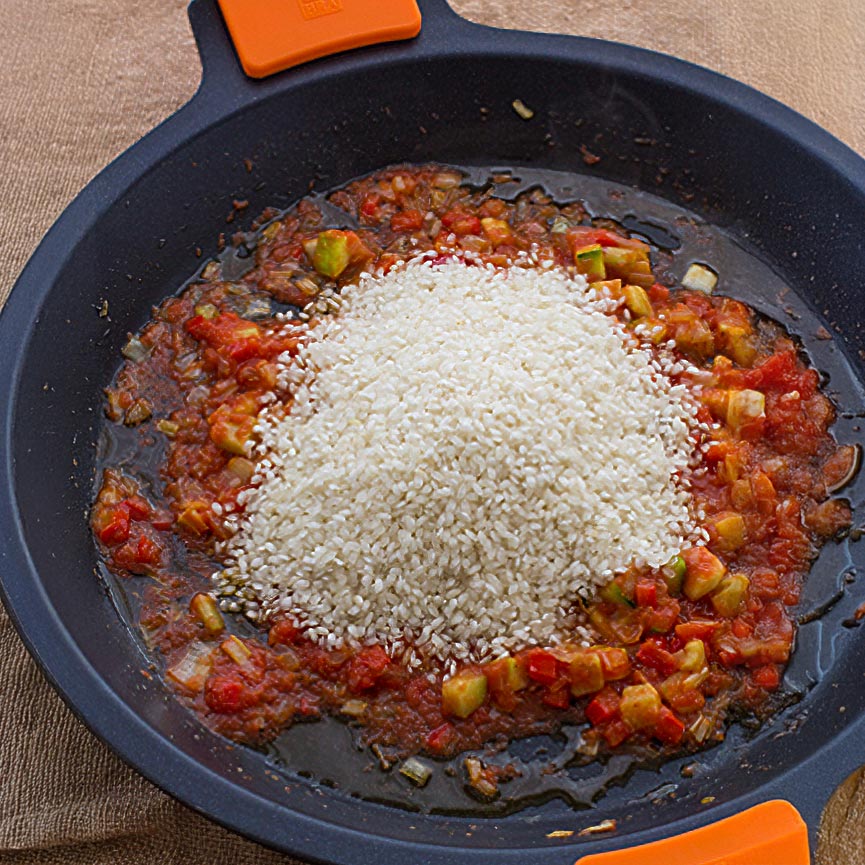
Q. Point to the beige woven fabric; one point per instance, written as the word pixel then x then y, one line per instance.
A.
pixel 83 79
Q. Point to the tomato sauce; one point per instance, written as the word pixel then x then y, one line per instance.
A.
pixel 678 649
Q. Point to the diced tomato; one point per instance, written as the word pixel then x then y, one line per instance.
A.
pixel 615 663
pixel 558 696
pixel 781 373
pixel 651 654
pixel 366 667
pixel 284 632
pixel 137 508
pixel 223 694
pixel 542 666
pixel 308 707
pixel 460 222
pixel 741 628
pixel 767 677
pixel 245 350
pixel 369 207
pixel 406 220
pixel 223 330
pixel 646 594
pixel 116 531
pixel 440 739
pixel 696 630
pixel 615 732
pixel 603 707
pixel 658 293
pixel 669 728
pixel 147 552
pixel 662 619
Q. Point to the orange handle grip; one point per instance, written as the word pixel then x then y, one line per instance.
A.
pixel 769 834
pixel 272 35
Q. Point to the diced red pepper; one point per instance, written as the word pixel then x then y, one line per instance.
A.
pixel 603 707
pixel 542 666
pixel 615 663
pixel 615 732
pixel 669 728
pixel 653 655
pixel 696 630
pixel 440 739
pixel 586 235
pixel 646 594
pixel 460 222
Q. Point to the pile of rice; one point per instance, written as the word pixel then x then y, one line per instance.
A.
pixel 466 450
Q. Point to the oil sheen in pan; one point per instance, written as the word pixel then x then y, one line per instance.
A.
pixel 327 751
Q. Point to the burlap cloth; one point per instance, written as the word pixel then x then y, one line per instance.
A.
pixel 80 80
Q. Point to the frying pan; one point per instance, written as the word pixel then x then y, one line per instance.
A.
pixel 786 189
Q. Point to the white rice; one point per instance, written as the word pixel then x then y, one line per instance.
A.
pixel 467 449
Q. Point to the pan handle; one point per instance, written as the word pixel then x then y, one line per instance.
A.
pixel 269 37
pixel 771 833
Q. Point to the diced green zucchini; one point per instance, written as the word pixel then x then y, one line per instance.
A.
pixel 730 594
pixel 614 594
pixel 463 693
pixel 704 571
pixel 506 675
pixel 233 432
pixel 632 266
pixel 590 262
pixel 674 575
pixel 331 253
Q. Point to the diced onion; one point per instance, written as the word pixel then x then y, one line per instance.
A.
pixel 700 729
pixel 522 109
pixel 417 772
pixel 855 460
pixel 698 277
pixel 192 669
pixel 236 650
pixel 135 350
pixel 353 708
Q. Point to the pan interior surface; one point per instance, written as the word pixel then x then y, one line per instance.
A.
pixel 783 202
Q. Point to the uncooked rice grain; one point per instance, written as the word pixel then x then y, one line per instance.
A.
pixel 467 449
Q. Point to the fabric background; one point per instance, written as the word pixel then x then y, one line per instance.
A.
pixel 81 80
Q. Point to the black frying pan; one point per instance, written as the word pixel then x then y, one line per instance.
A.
pixel 786 189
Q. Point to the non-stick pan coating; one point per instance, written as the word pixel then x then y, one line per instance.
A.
pixel 788 190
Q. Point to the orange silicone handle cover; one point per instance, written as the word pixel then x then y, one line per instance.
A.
pixel 271 35
pixel 769 834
